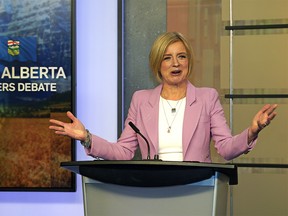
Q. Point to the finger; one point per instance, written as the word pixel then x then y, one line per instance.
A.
pixel 57 122
pixel 61 133
pixel 272 109
pixel 269 119
pixel 262 110
pixel 272 116
pixel 71 116
pixel 265 108
pixel 56 128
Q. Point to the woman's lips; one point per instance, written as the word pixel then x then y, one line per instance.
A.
pixel 176 72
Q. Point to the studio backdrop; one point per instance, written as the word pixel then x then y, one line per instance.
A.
pixel 37 83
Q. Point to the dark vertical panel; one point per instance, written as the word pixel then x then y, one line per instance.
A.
pixel 141 22
pixel 144 21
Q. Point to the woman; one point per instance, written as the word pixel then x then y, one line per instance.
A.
pixel 178 119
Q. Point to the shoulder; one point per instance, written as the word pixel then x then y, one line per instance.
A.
pixel 207 96
pixel 200 91
pixel 147 94
pixel 142 94
pixel 142 97
pixel 206 91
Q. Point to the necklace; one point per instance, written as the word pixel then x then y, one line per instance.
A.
pixel 176 112
pixel 173 109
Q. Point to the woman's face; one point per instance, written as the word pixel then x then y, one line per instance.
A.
pixel 174 66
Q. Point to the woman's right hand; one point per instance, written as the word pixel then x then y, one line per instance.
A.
pixel 75 129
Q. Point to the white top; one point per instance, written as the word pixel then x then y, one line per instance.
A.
pixel 170 129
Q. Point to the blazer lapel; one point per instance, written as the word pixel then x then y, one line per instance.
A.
pixel 150 117
pixel 191 116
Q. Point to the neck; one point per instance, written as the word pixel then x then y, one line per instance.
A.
pixel 173 92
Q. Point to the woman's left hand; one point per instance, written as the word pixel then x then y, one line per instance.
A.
pixel 262 119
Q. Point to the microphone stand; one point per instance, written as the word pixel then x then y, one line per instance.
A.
pixel 156 157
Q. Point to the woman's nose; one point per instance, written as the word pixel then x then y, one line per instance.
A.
pixel 175 62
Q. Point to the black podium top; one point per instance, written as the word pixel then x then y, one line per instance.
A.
pixel 150 173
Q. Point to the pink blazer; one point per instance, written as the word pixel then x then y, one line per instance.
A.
pixel 203 120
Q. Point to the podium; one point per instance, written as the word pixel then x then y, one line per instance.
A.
pixel 154 188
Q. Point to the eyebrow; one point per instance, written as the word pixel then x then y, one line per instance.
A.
pixel 181 53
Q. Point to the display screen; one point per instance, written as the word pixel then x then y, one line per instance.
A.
pixel 36 84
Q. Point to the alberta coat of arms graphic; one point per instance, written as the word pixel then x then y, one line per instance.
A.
pixel 13 47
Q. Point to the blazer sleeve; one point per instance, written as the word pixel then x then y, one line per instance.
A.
pixel 227 145
pixel 126 145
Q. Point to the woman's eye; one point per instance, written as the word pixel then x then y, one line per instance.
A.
pixel 182 56
pixel 166 58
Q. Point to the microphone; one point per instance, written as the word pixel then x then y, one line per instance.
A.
pixel 138 132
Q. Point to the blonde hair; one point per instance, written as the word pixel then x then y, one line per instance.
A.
pixel 158 50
